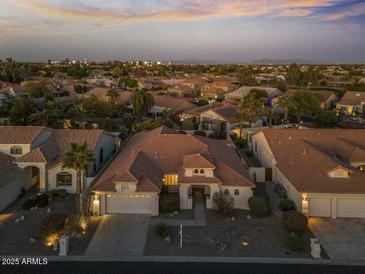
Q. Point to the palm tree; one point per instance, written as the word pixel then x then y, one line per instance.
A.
pixel 272 116
pixel 250 106
pixel 286 103
pixel 79 158
pixel 142 102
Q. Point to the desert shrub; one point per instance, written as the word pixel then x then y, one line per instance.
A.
pixel 294 221
pixel 41 200
pixel 259 206
pixel 286 205
pixel 249 153
pixel 161 230
pixel 223 203
pixel 54 224
pixel 58 193
pixel 200 133
pixel 295 242
pixel 169 202
pixel 240 142
pixel 28 204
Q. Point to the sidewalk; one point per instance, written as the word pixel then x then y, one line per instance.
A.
pixel 274 199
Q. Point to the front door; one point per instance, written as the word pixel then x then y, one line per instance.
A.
pixel 198 195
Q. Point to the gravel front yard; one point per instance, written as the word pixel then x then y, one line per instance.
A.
pixel 15 235
pixel 245 236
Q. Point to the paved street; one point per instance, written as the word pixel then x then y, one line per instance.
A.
pixel 180 267
pixel 119 235
pixel 342 238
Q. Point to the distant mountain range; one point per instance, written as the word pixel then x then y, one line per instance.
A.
pixel 263 61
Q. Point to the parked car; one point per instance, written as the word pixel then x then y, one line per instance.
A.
pixel 280 190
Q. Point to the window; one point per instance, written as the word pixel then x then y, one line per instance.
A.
pixel 226 192
pixel 16 150
pixel 101 156
pixel 196 171
pixel 201 171
pixel 64 179
pixel 170 179
pixel 236 192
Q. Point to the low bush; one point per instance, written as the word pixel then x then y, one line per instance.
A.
pixel 58 193
pixel 294 221
pixel 240 142
pixel 169 202
pixel 249 153
pixel 54 225
pixel 218 134
pixel 295 242
pixel 28 204
pixel 200 133
pixel 161 230
pixel 41 200
pixel 286 205
pixel 259 206
pixel 223 203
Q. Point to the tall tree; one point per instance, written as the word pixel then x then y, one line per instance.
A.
pixel 272 116
pixel 113 96
pixel 50 116
pixel 250 106
pixel 79 158
pixel 21 110
pixel 12 71
pixel 142 102
pixel 287 103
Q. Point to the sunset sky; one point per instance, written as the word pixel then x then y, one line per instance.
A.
pixel 226 30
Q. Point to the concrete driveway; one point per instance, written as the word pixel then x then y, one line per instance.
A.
pixel 119 235
pixel 342 238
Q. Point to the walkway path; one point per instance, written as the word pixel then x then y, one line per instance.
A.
pixel 274 199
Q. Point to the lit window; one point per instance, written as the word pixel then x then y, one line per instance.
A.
pixel 202 171
pixel 16 150
pixel 226 192
pixel 64 179
pixel 236 192
pixel 171 179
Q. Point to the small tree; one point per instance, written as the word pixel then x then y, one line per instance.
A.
pixel 295 221
pixel 188 124
pixel 223 203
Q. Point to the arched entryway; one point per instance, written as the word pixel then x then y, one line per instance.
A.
pixel 199 194
pixel 33 178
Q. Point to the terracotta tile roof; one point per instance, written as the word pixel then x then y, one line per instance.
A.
pixel 173 103
pixel 97 91
pixel 352 98
pixel 161 151
pixel 196 161
pixel 9 172
pixel 305 157
pixel 323 96
pixel 18 89
pixel 19 134
pixel 226 111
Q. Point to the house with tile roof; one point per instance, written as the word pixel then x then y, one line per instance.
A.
pixel 38 151
pixel 238 94
pixel 353 102
pixel 183 163
pixel 322 170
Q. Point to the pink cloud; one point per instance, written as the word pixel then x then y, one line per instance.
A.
pixel 355 10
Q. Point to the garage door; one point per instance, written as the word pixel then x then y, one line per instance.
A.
pixel 320 207
pixel 134 205
pixel 354 208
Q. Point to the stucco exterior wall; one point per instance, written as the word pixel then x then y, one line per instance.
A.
pixel 52 179
pixel 10 192
pixel 5 148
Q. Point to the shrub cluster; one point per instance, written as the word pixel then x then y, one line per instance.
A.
pixel 259 206
pixel 294 221
pixel 295 241
pixel 54 224
pixel 200 133
pixel 41 200
pixel 161 230
pixel 286 205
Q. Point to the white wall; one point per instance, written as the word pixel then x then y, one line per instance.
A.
pixel 240 201
pixel 52 179
pixel 260 174
pixel 5 148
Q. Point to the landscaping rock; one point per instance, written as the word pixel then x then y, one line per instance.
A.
pixel 167 239
pixel 22 218
pixel 74 234
pixel 79 236
pixel 49 210
pixel 33 240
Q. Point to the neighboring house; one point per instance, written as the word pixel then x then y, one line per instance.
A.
pixel 362 80
pixel 183 163
pixel 322 170
pixel 239 94
pixel 214 116
pixel 39 152
pixel 327 98
pixel 99 92
pixel 174 104
pixel 216 89
pixel 18 91
pixel 12 180
pixel 351 103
